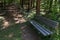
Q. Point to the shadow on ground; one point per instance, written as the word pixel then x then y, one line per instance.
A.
pixel 11 33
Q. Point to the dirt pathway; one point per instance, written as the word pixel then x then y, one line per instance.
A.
pixel 28 33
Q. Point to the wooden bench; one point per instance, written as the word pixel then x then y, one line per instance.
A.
pixel 41 28
pixel 46 21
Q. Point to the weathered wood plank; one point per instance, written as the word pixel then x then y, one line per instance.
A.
pixel 47 21
pixel 40 28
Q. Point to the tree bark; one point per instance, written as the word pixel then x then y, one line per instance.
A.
pixel 50 6
pixel 29 4
pixel 38 7
pixel 21 3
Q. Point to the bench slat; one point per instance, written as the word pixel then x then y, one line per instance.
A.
pixel 40 28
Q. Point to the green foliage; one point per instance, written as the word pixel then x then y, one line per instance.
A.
pixel 55 10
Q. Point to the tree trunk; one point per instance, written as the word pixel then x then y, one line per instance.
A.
pixel 50 6
pixel 29 4
pixel 38 7
pixel 21 3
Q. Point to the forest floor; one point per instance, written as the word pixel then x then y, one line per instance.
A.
pixel 18 31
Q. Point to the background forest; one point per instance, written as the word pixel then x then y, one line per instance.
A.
pixel 48 8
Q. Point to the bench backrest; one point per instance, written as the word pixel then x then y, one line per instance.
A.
pixel 47 21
